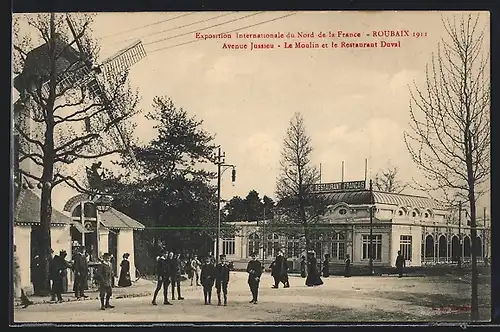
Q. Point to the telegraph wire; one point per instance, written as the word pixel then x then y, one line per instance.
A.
pixel 212 26
pixel 179 27
pixel 238 29
pixel 147 25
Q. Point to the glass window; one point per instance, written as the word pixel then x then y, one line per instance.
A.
pixel 376 247
pixel 228 246
pixel 253 243
pixel 405 246
pixel 273 245
pixel 338 247
pixel 293 246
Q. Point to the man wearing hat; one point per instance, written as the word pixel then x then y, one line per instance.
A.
pixel 222 278
pixel 104 278
pixel 58 271
pixel 162 270
pixel 254 270
pixel 80 268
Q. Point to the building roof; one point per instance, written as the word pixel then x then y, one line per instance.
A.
pixel 115 219
pixel 361 197
pixel 27 210
pixel 37 63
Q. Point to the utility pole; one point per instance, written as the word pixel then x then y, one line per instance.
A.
pixel 220 164
pixel 460 235
pixel 263 234
pixel 370 248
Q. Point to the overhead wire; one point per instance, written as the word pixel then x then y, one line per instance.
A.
pixel 206 28
pixel 147 25
pixel 179 27
pixel 234 30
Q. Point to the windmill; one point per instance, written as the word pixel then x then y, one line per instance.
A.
pixel 84 73
pixel 89 73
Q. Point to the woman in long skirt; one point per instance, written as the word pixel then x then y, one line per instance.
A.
pixel 124 280
pixel 313 275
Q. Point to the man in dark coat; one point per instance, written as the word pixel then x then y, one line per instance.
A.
pixel 207 279
pixel 279 270
pixel 58 270
pixel 105 281
pixel 163 272
pixel 222 278
pixel 400 264
pixel 175 267
pixel 80 268
pixel 254 270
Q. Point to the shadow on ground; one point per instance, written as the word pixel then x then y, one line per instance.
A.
pixel 448 300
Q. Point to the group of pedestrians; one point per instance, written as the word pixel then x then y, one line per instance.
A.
pixel 170 268
pixel 58 272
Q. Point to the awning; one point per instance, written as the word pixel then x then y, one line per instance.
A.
pixel 78 225
pixel 114 219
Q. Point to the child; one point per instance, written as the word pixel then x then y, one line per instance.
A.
pixel 104 278
pixel 207 279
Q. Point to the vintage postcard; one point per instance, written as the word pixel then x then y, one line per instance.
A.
pixel 267 166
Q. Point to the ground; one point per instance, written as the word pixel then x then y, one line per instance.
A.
pixel 355 299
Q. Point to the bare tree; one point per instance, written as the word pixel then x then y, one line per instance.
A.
pixel 387 180
pixel 59 121
pixel 298 208
pixel 449 138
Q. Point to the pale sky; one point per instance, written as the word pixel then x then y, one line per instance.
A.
pixel 354 101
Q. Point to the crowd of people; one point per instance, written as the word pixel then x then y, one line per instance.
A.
pixel 81 266
pixel 170 268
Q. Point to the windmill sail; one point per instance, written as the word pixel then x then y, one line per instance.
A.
pixel 123 59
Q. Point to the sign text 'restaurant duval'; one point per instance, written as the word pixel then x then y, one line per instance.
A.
pixel 337 186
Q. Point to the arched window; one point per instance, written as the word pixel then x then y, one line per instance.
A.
pixel 338 247
pixel 429 246
pixel 253 244
pixel 467 246
pixel 293 246
pixel 443 246
pixel 273 245
pixel 456 250
pixel 479 248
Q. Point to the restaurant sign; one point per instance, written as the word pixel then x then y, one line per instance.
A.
pixel 337 186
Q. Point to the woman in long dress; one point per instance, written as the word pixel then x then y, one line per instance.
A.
pixel 125 280
pixel 313 275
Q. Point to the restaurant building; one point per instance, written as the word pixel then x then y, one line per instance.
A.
pixel 424 231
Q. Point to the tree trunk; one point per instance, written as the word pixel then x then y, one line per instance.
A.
pixel 474 279
pixel 48 169
pixel 45 239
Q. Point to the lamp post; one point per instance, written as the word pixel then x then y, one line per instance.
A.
pixel 370 248
pixel 220 159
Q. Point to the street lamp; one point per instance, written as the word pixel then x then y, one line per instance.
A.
pixel 220 159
